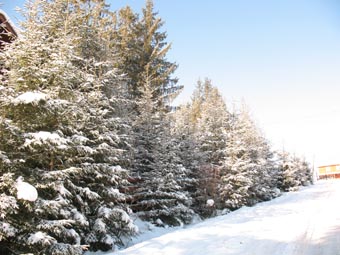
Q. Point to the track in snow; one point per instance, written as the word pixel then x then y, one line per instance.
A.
pixel 306 222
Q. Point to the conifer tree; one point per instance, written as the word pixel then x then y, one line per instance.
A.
pixel 59 136
pixel 247 173
pixel 204 124
pixel 212 129
pixel 188 152
pixel 141 44
pixel 142 50
pixel 160 196
pixel 293 171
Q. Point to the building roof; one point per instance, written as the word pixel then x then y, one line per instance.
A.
pixel 7 28
pixel 329 165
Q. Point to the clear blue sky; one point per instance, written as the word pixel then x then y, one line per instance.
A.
pixel 281 57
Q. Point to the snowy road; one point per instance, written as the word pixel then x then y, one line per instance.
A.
pixel 299 223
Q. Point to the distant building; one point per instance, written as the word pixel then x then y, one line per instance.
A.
pixel 329 172
pixel 7 30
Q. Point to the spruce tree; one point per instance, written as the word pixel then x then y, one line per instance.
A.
pixel 212 130
pixel 141 44
pixel 293 171
pixel 188 153
pixel 248 166
pixel 203 125
pixel 59 134
pixel 160 196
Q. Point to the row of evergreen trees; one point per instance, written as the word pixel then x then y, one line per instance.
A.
pixel 85 120
pixel 229 156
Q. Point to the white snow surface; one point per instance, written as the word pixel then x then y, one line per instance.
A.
pixel 306 222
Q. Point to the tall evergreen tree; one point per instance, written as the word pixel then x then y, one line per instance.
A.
pixel 142 45
pixel 212 130
pixel 188 152
pixel 160 196
pixel 247 173
pixel 204 124
pixel 59 136
pixel 142 50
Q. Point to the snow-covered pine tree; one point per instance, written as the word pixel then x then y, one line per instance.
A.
pixel 142 49
pixel 248 166
pixel 236 165
pixel 203 125
pixel 211 135
pixel 109 130
pixel 160 196
pixel 188 152
pixel 293 171
pixel 59 134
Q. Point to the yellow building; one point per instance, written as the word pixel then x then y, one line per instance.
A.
pixel 330 171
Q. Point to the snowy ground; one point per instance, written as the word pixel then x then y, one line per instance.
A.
pixel 306 222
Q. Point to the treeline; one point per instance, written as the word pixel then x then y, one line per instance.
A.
pixel 233 164
pixel 86 122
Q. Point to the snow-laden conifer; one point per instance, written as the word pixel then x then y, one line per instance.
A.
pixel 160 193
pixel 249 171
pixel 211 134
pixel 60 131
pixel 293 171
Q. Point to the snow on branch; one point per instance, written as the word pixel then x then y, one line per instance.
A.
pixel 30 97
pixel 67 249
pixel 41 238
pixel 79 217
pixel 6 230
pixel 44 137
pixel 8 204
pixel 62 174
pixel 26 191
pixel 89 194
pixel 4 158
pixel 79 139
pixel 50 224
